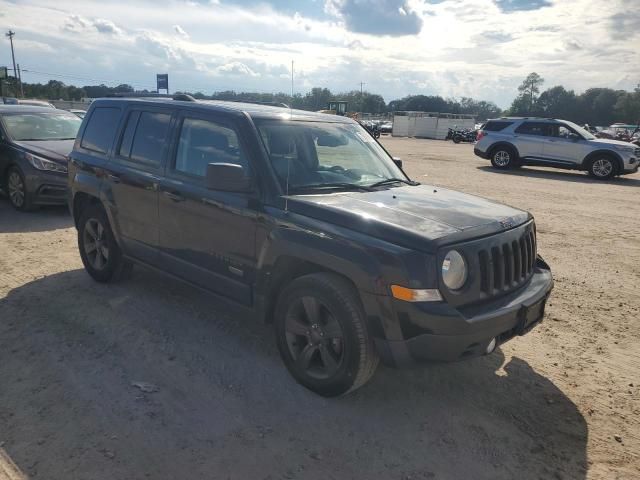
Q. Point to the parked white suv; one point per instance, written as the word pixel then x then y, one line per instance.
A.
pixel 513 142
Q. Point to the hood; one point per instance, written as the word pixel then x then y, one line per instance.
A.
pixel 57 150
pixel 617 143
pixel 422 217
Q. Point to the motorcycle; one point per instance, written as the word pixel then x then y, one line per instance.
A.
pixel 458 136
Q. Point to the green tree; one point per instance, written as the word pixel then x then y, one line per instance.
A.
pixel 525 102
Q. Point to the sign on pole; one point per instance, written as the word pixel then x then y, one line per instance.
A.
pixel 162 80
pixel 3 73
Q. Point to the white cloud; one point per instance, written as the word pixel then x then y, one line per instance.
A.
pixel 212 46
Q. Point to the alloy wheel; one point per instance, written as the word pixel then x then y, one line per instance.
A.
pixel 15 187
pixel 502 158
pixel 314 338
pixel 95 244
pixel 602 167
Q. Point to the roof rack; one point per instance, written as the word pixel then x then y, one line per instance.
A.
pixel 183 97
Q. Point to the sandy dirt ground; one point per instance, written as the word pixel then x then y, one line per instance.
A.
pixel 562 402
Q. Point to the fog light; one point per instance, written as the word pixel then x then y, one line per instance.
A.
pixel 491 347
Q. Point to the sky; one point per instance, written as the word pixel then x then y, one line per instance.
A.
pixel 476 48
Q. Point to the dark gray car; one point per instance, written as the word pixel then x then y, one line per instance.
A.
pixel 34 145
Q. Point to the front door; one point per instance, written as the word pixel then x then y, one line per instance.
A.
pixel 563 149
pixel 208 236
pixel 132 177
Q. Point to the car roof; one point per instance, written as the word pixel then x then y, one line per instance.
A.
pixel 27 109
pixel 254 110
pixel 535 119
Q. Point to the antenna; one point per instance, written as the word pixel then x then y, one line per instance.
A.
pixel 291 103
pixel 286 198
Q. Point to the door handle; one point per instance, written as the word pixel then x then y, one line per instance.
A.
pixel 113 178
pixel 176 197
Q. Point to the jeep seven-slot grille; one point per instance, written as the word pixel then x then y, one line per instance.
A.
pixel 504 267
pixel 637 152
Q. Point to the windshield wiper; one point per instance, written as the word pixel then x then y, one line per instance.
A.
pixel 330 186
pixel 388 181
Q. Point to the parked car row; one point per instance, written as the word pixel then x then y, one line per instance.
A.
pixel 303 220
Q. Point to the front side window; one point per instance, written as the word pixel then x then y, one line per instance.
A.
pixel 203 142
pixel 42 126
pixel 316 154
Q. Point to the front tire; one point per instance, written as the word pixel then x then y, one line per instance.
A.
pixel 603 167
pixel 322 335
pixel 457 139
pixel 16 189
pixel 100 253
pixel 503 158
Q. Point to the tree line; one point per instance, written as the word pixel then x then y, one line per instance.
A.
pixel 596 106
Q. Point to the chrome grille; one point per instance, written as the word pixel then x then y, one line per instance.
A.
pixel 504 267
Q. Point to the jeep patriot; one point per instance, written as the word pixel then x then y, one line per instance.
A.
pixel 305 221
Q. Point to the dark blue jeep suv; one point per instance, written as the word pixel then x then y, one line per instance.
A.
pixel 304 220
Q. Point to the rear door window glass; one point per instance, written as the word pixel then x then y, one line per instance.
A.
pixel 150 137
pixel 101 129
pixel 494 126
pixel 534 128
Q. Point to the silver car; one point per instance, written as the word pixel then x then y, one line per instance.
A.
pixel 512 142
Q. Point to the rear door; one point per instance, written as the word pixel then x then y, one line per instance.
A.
pixel 132 177
pixel 208 236
pixel 529 139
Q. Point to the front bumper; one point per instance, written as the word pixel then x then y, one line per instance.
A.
pixel 441 333
pixel 47 188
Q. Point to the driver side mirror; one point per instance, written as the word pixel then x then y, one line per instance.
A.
pixel 398 162
pixel 574 136
pixel 227 177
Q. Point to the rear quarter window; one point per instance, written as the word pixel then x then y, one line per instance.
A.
pixel 494 126
pixel 101 129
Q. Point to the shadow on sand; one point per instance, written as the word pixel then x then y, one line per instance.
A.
pixel 223 406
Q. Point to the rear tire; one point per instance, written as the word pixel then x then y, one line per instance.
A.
pixel 322 335
pixel 100 253
pixel 16 189
pixel 503 158
pixel 603 167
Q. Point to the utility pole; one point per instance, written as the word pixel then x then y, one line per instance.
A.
pixel 361 93
pixel 20 81
pixel 10 34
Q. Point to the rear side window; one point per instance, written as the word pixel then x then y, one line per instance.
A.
pixel 495 126
pixel 534 128
pixel 145 137
pixel 99 133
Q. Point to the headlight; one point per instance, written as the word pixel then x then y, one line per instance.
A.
pixel 454 270
pixel 44 164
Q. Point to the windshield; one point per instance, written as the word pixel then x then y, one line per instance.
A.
pixel 581 131
pixel 317 155
pixel 42 126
